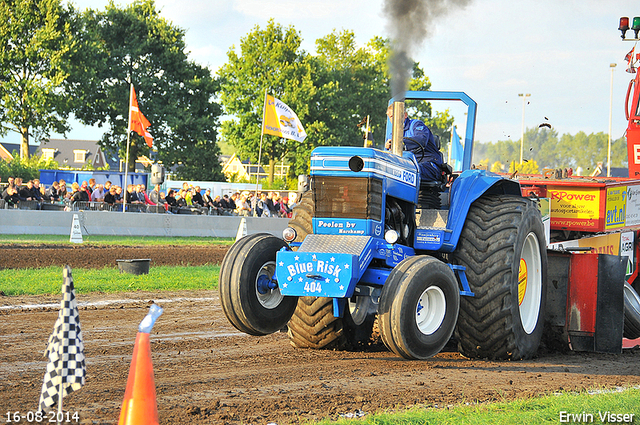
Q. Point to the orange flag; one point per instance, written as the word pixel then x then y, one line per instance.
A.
pixel 139 123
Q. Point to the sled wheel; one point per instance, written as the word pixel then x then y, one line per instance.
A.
pixel 631 312
pixel 250 299
pixel 503 248
pixel 419 307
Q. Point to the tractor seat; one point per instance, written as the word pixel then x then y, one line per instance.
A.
pixel 429 194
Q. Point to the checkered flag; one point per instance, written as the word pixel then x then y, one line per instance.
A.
pixel 65 369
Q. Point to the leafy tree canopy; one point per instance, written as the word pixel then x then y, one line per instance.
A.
pixel 332 92
pixel 270 61
pixel 176 95
pixel 37 45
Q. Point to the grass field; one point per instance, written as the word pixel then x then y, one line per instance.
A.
pixel 586 407
pixel 108 279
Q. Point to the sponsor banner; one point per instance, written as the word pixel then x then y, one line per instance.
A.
pixel 615 209
pixel 632 213
pixel 626 250
pixel 602 244
pixel 574 207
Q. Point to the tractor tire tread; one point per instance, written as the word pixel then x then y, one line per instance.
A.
pixel 487 249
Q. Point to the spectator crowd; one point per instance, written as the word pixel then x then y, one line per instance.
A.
pixel 110 197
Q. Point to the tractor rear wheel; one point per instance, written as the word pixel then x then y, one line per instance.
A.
pixel 419 307
pixel 313 324
pixel 503 248
pixel 250 299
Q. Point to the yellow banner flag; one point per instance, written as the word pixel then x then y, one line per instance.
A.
pixel 281 121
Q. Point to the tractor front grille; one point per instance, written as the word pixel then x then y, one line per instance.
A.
pixel 348 197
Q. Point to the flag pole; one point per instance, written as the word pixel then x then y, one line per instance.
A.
pixel 126 162
pixel 60 392
pixel 450 144
pixel 366 134
pixel 264 113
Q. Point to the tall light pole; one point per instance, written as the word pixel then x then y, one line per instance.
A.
pixel 524 102
pixel 612 66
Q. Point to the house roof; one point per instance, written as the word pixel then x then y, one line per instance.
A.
pixel 6 150
pixel 250 168
pixel 64 152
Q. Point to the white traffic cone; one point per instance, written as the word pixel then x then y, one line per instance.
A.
pixel 242 229
pixel 76 231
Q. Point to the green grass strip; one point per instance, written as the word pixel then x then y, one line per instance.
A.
pixel 115 240
pixel 160 278
pixel 552 409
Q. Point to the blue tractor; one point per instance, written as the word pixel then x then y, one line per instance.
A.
pixel 369 245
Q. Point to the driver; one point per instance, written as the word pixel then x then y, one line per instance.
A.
pixel 419 140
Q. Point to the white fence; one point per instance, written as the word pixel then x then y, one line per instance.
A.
pixel 29 222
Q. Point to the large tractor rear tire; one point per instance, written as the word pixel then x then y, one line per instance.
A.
pixel 502 246
pixel 419 307
pixel 313 324
pixel 250 304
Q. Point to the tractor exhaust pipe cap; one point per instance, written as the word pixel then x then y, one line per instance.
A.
pixel 356 164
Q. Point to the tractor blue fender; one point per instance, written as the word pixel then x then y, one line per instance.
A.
pixel 468 187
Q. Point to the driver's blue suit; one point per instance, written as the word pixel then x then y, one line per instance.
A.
pixel 417 135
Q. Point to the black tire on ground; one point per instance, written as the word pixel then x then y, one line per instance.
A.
pixel 224 281
pixel 419 307
pixel 249 307
pixel 313 324
pixel 631 312
pixel 502 246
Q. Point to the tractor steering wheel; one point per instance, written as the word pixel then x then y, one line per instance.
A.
pixel 419 145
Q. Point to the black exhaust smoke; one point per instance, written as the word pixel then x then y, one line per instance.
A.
pixel 409 25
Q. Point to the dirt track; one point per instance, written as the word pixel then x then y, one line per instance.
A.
pixel 20 256
pixel 207 372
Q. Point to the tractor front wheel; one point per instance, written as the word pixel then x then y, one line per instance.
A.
pixel 250 297
pixel 419 307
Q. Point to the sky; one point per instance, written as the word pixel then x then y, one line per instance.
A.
pixel 559 52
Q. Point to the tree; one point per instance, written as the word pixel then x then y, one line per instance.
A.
pixel 177 95
pixel 543 146
pixel 351 86
pixel 269 60
pixel 36 47
pixel 527 167
pixel 441 123
pixel 27 168
pixel 332 92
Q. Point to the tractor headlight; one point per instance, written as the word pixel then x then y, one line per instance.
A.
pixel 391 236
pixel 289 234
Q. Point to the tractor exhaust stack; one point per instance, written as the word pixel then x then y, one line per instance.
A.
pixel 398 128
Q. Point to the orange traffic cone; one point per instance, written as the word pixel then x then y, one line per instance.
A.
pixel 139 406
